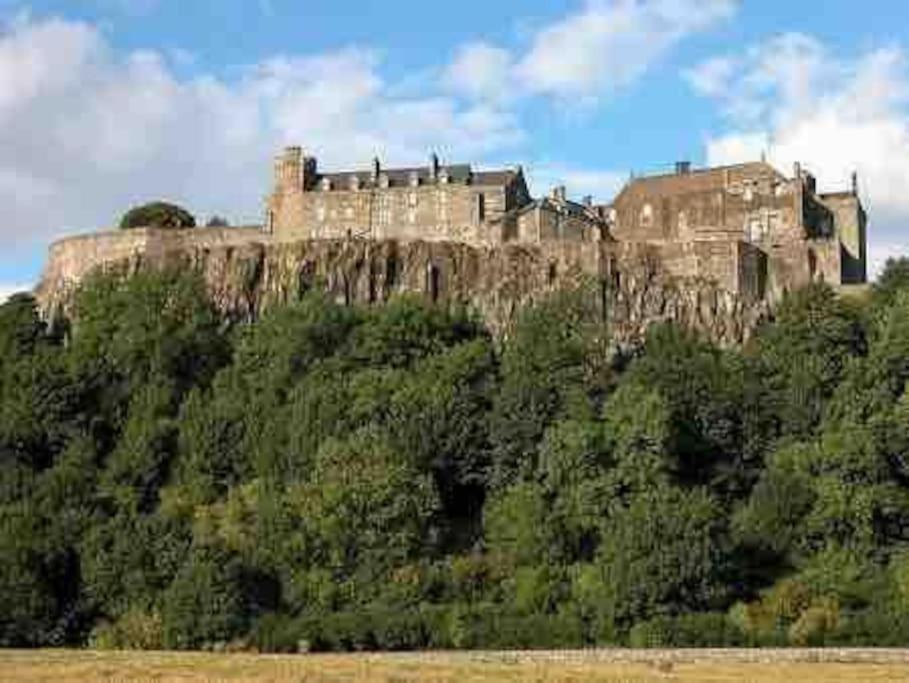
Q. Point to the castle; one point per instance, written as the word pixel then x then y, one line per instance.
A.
pixel 710 248
pixel 747 226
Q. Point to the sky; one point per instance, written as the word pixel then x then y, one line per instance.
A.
pixel 109 103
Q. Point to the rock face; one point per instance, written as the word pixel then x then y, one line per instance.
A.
pixel 246 273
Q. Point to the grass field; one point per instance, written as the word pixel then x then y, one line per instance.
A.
pixel 808 666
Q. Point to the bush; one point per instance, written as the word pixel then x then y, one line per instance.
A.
pixel 205 603
pixel 709 629
pixel 157 215
pixel 135 630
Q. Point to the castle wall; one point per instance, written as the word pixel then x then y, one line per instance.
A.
pixel 71 259
pixel 246 277
pixel 851 224
pixel 431 213
pixel 752 203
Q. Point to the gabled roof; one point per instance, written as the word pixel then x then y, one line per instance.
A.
pixel 698 180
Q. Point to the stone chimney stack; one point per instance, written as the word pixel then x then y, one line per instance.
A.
pixel 682 167
pixel 588 200
pixel 376 170
pixel 434 166
pixel 558 193
pixel 855 187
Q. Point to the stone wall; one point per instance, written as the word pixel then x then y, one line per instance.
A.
pixel 246 272
pixel 431 213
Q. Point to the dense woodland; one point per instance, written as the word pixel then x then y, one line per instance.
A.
pixel 334 477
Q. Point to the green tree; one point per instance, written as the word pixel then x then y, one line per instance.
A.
pixel 157 215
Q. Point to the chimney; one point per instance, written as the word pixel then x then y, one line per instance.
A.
pixel 434 166
pixel 558 193
pixel 855 183
pixel 588 200
pixel 682 167
pixel 797 170
pixel 376 169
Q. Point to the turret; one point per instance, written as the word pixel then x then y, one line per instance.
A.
pixel 294 172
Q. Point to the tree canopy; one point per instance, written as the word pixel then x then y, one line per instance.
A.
pixel 157 215
pixel 332 477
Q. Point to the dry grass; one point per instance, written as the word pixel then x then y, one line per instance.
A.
pixel 59 666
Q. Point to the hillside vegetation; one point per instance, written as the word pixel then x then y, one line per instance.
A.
pixel 334 478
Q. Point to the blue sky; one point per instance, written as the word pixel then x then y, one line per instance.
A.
pixel 108 102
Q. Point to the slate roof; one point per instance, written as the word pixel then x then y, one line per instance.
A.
pixel 697 179
pixel 458 174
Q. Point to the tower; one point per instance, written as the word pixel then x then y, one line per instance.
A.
pixel 295 173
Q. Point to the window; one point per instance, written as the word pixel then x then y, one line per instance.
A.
pixel 755 229
pixel 646 216
pixel 480 209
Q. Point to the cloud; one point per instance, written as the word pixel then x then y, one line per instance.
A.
pixel 609 44
pixel 87 130
pixel 794 99
pixel 481 71
pixel 601 185
pixel 8 289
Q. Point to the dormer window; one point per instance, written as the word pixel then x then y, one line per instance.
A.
pixel 413 179
pixel 383 181
pixel 326 184
pixel 444 177
pixel 354 182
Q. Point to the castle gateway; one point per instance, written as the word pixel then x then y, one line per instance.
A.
pixel 747 226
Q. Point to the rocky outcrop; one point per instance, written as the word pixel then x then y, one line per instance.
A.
pixel 246 272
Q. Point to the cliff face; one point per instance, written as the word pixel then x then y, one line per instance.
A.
pixel 246 273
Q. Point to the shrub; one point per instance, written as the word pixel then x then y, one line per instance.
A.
pixel 708 629
pixel 135 630
pixel 157 215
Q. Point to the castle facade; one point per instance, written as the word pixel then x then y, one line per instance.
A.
pixel 747 226
pixel 711 244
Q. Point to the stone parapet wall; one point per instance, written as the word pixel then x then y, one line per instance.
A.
pixel 246 273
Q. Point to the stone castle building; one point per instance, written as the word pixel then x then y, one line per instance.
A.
pixel 433 203
pixel 711 248
pixel 746 226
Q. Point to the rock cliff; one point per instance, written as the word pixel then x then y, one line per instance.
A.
pixel 246 272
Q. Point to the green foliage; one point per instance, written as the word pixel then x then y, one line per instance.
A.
pixel 345 478
pixel 157 215
pixel 205 604
pixel 663 554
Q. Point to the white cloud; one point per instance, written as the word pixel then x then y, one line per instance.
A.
pixel 480 70
pixel 601 185
pixel 86 130
pixel 797 101
pixel 610 43
pixel 8 289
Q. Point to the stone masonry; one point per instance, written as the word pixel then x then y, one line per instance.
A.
pixel 713 248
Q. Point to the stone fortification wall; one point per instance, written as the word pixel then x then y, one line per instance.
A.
pixel 246 273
